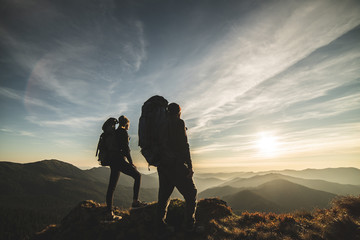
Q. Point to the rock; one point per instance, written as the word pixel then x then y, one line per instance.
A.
pixel 86 221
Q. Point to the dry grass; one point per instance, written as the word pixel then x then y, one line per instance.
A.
pixel 340 222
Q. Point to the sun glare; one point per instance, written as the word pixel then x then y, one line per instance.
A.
pixel 267 144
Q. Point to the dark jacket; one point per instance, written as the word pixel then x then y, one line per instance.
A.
pixel 123 143
pixel 177 140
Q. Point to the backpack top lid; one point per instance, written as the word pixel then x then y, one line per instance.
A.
pixel 153 113
pixel 108 123
pixel 158 100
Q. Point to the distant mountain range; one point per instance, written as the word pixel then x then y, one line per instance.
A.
pixel 335 175
pixel 52 181
pixel 276 192
pixel 335 188
pixel 54 187
pixel 57 181
pixel 276 195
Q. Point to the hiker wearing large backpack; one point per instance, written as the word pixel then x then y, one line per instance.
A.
pixel 163 142
pixel 123 163
pixel 175 170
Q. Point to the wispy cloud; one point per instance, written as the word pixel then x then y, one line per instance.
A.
pixel 75 122
pixel 336 137
pixel 17 132
pixel 251 55
pixel 79 69
pixel 326 109
pixel 305 84
pixel 262 69
pixel 19 96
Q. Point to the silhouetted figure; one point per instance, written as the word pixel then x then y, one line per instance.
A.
pixel 121 165
pixel 175 170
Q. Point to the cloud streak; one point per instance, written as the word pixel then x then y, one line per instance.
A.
pixel 252 55
pixel 19 96
pixel 17 132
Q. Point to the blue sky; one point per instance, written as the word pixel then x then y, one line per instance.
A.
pixel 262 84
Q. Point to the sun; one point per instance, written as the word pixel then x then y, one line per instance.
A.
pixel 267 144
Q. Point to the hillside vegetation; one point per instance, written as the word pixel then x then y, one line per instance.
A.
pixel 341 221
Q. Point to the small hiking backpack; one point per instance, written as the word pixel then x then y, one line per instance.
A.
pixel 106 141
pixel 153 118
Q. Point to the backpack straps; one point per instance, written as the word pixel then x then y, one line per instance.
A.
pixel 99 143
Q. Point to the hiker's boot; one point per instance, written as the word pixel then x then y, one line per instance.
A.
pixel 138 204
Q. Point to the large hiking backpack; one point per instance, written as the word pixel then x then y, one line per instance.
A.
pixel 107 141
pixel 151 125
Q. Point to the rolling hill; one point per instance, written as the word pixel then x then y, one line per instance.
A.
pixel 250 201
pixel 218 192
pixel 335 188
pixel 37 194
pixel 292 196
pixel 55 181
pixel 274 196
pixel 337 175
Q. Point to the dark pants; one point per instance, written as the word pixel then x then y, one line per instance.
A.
pixel 169 178
pixel 127 169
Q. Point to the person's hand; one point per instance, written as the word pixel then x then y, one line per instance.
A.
pixel 191 173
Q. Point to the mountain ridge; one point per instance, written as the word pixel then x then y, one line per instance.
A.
pixel 335 188
pixel 277 196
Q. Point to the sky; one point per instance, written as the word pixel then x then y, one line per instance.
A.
pixel 263 85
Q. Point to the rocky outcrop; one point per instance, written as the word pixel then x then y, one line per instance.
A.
pixel 217 221
pixel 87 221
